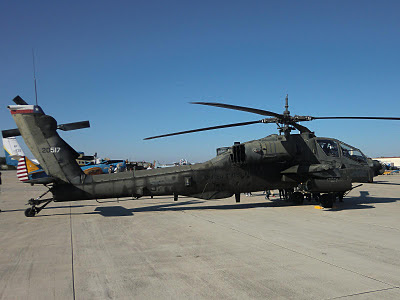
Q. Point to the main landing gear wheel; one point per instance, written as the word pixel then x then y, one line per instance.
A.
pixel 30 212
pixel 297 198
pixel 326 200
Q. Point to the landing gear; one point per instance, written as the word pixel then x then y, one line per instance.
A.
pixel 297 198
pixel 237 197
pixel 286 194
pixel 340 197
pixel 316 196
pixel 290 195
pixel 34 209
pixel 30 212
pixel 327 200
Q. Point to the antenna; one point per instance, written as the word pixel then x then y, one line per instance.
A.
pixel 34 75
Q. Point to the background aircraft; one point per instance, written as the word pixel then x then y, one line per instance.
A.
pixel 29 172
pixel 13 151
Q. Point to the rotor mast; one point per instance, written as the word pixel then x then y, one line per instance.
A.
pixel 286 112
pixel 286 129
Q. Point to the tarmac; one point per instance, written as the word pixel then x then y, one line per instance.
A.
pixel 196 249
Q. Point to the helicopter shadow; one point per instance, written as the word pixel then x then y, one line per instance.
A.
pixel 117 211
pixel 130 199
pixel 114 211
pixel 107 211
pixel 51 207
pixel 385 182
pixel 363 201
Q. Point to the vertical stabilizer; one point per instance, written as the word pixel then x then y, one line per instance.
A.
pixel 39 132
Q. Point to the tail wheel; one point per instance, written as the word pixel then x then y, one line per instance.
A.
pixel 30 212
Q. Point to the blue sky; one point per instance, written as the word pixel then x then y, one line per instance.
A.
pixel 131 67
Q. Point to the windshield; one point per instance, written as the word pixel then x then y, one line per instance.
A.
pixel 222 150
pixel 352 153
pixel 330 147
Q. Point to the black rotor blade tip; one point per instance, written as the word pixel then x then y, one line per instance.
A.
pixel 19 101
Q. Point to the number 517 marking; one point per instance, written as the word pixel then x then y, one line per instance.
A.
pixel 51 150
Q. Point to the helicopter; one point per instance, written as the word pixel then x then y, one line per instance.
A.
pixel 300 163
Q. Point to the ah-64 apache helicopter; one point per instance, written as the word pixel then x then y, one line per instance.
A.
pixel 303 161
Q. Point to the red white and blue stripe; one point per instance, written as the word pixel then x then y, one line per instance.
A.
pixel 22 171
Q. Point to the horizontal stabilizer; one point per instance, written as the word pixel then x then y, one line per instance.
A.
pixel 10 133
pixel 74 126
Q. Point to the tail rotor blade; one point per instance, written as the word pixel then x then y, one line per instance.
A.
pixel 10 133
pixel 19 101
pixel 74 126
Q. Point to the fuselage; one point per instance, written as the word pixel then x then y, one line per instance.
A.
pixel 274 162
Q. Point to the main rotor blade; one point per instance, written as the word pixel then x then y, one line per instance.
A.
pixel 204 129
pixel 358 118
pixel 299 127
pixel 242 108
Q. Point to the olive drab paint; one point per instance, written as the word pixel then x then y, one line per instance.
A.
pixel 284 161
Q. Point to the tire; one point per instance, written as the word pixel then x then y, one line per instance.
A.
pixel 297 198
pixel 30 212
pixel 326 200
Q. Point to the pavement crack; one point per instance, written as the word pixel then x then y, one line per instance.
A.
pixel 291 250
pixel 363 293
pixel 72 252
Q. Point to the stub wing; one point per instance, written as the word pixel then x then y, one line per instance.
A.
pixel 315 170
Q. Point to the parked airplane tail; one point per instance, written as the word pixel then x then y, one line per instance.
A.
pixel 39 131
pixel 28 172
pixel 22 170
pixel 12 151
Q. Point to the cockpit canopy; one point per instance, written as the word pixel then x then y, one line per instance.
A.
pixel 334 148
pixel 222 150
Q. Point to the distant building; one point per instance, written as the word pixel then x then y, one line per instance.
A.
pixel 390 161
